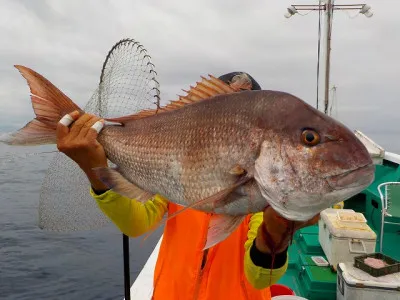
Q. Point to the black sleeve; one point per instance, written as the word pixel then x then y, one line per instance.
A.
pixel 265 260
pixel 99 192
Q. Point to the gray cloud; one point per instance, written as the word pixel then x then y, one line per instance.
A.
pixel 66 41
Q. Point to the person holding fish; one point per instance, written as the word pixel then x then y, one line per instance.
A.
pixel 238 170
pixel 260 243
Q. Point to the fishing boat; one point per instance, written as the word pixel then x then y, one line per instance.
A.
pixel 310 273
pixel 314 271
pixel 304 276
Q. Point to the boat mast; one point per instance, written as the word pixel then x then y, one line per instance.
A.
pixel 328 7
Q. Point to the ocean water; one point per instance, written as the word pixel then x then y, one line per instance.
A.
pixel 37 264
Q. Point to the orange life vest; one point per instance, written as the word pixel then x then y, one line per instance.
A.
pixel 179 274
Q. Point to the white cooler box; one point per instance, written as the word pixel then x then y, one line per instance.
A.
pixel 344 234
pixel 355 284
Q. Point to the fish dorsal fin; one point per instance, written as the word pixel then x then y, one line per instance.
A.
pixel 204 90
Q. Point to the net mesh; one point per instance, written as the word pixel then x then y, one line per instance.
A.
pixel 128 84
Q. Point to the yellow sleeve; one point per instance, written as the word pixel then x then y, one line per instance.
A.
pixel 133 218
pixel 259 277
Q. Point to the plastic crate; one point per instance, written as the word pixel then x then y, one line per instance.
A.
pixel 363 286
pixel 316 283
pixel 392 267
pixel 309 244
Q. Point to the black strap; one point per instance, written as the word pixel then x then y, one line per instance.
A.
pixel 265 260
pixel 99 192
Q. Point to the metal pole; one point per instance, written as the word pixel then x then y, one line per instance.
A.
pixel 127 280
pixel 329 8
pixel 328 30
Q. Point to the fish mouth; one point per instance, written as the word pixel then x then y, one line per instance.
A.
pixel 361 176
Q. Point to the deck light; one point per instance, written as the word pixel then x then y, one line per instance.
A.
pixel 290 12
pixel 366 11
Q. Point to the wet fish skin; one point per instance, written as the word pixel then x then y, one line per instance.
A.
pixel 185 155
pixel 295 178
pixel 229 153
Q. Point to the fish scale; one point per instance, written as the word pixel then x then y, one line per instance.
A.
pixel 198 146
pixel 224 151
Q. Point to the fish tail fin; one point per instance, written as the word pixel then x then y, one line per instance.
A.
pixel 49 105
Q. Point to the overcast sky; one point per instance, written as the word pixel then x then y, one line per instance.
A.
pixel 66 41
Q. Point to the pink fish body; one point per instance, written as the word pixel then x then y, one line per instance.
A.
pixel 221 151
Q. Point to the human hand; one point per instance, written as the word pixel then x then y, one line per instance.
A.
pixel 276 232
pixel 79 142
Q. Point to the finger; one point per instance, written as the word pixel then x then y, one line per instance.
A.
pixel 86 127
pixel 95 129
pixel 62 128
pixel 314 220
pixel 78 124
pixel 309 222
pixel 66 120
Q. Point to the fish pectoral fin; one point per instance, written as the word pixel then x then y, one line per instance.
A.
pixel 220 227
pixel 218 200
pixel 237 170
pixel 118 183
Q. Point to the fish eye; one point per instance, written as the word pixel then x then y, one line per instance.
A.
pixel 310 137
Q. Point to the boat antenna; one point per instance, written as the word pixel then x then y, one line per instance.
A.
pixel 328 7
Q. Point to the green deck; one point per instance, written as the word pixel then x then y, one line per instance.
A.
pixel 319 283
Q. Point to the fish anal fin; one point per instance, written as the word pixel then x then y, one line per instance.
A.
pixel 118 183
pixel 220 227
pixel 203 90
